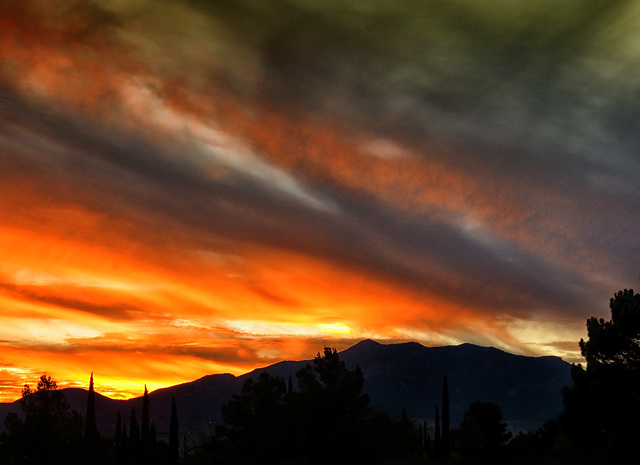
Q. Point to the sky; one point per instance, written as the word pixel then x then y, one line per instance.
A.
pixel 198 187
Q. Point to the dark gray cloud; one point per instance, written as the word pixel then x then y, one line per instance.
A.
pixel 533 106
pixel 47 295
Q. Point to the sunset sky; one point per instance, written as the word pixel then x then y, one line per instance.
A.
pixel 198 187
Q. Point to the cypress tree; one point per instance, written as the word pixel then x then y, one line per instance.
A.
pixel 90 426
pixel 118 441
pixel 118 434
pixel 153 436
pixel 446 438
pixel 134 434
pixel 145 416
pixel 153 441
pixel 290 387
pixel 425 438
pixel 174 455
pixel 438 442
pixel 125 438
pixel 125 443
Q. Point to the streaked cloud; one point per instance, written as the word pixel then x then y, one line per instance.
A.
pixel 196 187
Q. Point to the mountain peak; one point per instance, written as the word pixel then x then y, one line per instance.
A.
pixel 365 344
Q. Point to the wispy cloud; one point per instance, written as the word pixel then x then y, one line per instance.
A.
pixel 220 185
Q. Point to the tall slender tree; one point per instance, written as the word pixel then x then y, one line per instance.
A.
pixel 125 442
pixel 118 434
pixel 144 430
pixel 290 387
pixel 446 427
pixel 119 440
pixel 90 426
pixel 134 435
pixel 125 436
pixel 425 439
pixel 437 438
pixel 174 455
pixel 151 451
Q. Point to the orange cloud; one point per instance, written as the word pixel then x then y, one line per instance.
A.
pixel 281 306
pixel 178 231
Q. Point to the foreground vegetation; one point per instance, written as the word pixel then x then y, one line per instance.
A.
pixel 326 419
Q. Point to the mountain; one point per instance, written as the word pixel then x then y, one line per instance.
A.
pixel 409 376
pixel 397 376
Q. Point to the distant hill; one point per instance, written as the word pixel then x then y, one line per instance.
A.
pixel 397 376
pixel 409 376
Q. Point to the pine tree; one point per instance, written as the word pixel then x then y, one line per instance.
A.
pixel 174 455
pixel 446 438
pixel 49 430
pixel 482 434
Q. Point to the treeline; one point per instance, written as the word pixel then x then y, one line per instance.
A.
pixel 50 432
pixel 324 417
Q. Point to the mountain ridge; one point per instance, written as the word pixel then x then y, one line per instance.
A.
pixel 398 377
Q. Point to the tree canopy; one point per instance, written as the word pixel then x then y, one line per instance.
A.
pixel 616 341
pixel 603 405
pixel 482 432
pixel 326 420
pixel 50 429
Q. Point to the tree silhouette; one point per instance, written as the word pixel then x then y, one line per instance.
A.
pixel 615 342
pixel 253 419
pixel 482 433
pixel 120 440
pixel 90 427
pixel 426 439
pixel 290 386
pixel 602 408
pixel 144 429
pixel 117 437
pixel 437 438
pixel 330 406
pixel 334 387
pixel 174 454
pixel 134 435
pixel 126 446
pixel 446 438
pixel 51 432
pixel 327 420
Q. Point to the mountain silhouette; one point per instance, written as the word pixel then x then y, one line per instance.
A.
pixel 406 376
